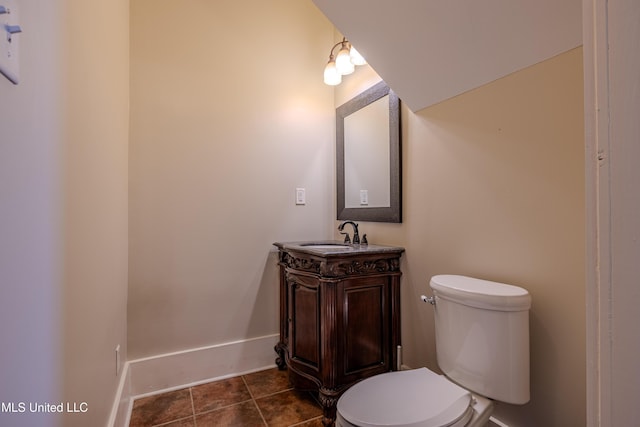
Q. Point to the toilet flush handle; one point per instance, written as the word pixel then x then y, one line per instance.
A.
pixel 430 300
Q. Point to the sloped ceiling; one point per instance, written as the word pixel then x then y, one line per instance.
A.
pixel 431 50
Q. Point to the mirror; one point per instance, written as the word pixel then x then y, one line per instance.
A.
pixel 368 156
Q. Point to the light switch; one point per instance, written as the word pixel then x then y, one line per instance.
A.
pixel 301 198
pixel 9 40
pixel 364 197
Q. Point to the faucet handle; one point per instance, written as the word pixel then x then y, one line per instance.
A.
pixel 347 239
pixel 364 240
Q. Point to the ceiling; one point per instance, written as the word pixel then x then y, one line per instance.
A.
pixel 431 50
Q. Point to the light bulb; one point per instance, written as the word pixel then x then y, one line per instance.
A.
pixel 331 75
pixel 356 58
pixel 343 61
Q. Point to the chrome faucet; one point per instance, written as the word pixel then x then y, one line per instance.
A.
pixel 356 236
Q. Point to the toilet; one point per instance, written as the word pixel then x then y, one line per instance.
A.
pixel 482 347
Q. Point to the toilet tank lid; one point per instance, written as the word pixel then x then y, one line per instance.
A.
pixel 481 293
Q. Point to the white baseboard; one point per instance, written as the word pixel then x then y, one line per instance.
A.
pixel 121 409
pixel 172 371
pixel 494 422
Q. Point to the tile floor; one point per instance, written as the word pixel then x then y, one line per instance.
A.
pixel 258 399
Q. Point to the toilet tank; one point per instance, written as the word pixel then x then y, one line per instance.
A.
pixel 482 336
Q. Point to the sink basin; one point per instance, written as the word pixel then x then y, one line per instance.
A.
pixel 325 246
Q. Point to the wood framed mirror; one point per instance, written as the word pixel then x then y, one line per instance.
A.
pixel 368 157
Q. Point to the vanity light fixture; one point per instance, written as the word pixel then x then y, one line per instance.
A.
pixel 342 64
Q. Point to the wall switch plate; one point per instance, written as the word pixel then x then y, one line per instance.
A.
pixel 364 197
pixel 301 198
pixel 10 40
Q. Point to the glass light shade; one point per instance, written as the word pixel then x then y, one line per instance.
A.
pixel 356 58
pixel 331 75
pixel 343 62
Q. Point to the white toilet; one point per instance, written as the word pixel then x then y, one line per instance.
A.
pixel 482 344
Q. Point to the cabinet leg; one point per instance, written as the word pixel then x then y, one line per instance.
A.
pixel 328 399
pixel 280 360
pixel 328 422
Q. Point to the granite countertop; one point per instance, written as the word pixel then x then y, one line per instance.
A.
pixel 336 248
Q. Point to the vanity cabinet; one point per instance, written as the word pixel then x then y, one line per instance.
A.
pixel 339 316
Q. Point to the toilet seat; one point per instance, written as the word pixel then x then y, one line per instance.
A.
pixel 413 398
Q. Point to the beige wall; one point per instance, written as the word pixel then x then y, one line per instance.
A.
pixel 229 115
pixel 493 187
pixel 63 163
pixel 95 101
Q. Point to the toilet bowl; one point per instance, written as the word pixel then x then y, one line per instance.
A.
pixel 482 343
pixel 412 398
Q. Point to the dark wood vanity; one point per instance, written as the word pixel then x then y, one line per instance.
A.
pixel 339 315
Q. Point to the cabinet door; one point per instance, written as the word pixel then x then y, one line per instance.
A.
pixel 364 324
pixel 304 320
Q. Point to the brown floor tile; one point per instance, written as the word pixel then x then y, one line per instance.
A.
pixel 219 394
pixel 240 415
pixel 259 399
pixel 161 408
pixel 316 422
pixel 185 422
pixel 267 382
pixel 288 407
